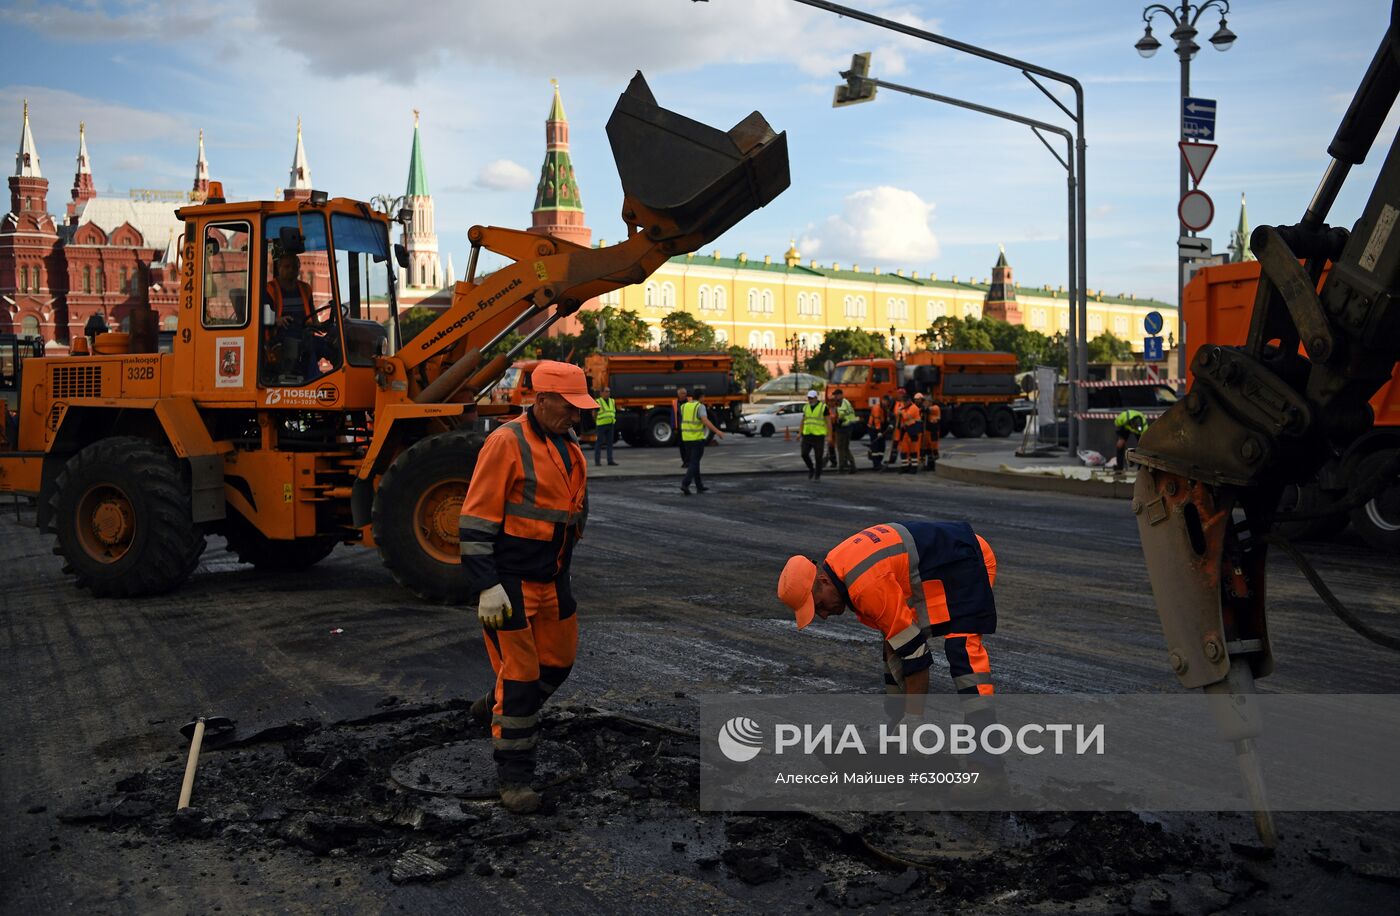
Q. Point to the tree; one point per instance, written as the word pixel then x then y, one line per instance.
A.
pixel 850 343
pixel 413 321
pixel 682 331
pixel 941 334
pixel 623 329
pixel 1106 348
pixel 746 362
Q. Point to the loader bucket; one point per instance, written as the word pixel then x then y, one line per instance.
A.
pixel 699 179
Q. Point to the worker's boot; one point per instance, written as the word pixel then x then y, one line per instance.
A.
pixel 482 709
pixel 519 799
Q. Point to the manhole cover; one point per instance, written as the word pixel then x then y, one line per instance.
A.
pixel 465 768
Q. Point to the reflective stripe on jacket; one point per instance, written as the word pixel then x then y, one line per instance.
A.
pixel 914 580
pixel 692 429
pixel 523 511
pixel 846 414
pixel 814 419
pixel 877 415
pixel 607 411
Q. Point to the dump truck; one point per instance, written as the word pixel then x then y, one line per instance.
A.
pixel 290 429
pixel 1218 304
pixel 974 389
pixel 644 385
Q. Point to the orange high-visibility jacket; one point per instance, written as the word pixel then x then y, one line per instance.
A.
pixel 914 580
pixel 524 511
pixel 877 416
pixel 907 416
pixel 274 293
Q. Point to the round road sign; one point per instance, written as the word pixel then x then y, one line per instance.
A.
pixel 1152 322
pixel 1196 210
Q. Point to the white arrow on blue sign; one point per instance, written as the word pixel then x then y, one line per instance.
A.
pixel 1152 349
pixel 1198 118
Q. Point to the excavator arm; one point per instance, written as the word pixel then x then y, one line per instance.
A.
pixel 1267 414
pixel 684 183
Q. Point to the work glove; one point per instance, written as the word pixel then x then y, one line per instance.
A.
pixel 493 607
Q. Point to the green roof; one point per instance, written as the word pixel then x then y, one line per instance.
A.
pixel 417 175
pixel 557 189
pixel 556 108
pixel 893 279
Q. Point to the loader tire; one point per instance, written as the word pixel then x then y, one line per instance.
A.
pixel 121 510
pixel 416 510
pixel 253 547
pixel 1378 519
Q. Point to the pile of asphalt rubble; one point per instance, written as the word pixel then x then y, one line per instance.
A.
pixel 338 790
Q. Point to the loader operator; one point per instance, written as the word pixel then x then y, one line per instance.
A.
pixel 288 321
pixel 524 511
pixel 912 581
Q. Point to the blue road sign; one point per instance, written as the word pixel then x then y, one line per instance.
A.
pixel 1198 118
pixel 1152 322
pixel 1152 348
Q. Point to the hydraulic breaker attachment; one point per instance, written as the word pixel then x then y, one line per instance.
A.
pixel 681 178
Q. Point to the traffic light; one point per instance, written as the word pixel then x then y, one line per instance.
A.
pixel 858 86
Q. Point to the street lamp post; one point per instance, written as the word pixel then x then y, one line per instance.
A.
pixel 1078 369
pixel 1183 19
pixel 793 342
pixel 1075 344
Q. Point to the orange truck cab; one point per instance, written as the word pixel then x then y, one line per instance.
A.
pixel 974 390
pixel 1217 306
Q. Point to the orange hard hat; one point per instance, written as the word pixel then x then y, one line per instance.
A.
pixel 565 380
pixel 795 588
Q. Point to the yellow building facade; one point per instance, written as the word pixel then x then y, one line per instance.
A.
pixel 763 304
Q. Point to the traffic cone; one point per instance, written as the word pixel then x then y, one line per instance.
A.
pixel 787 433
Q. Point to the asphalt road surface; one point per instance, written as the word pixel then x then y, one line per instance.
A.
pixel 676 599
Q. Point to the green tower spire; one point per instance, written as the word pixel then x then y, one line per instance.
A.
pixel 417 175
pixel 557 188
pixel 1239 239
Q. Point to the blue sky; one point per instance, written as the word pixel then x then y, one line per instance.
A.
pixel 900 182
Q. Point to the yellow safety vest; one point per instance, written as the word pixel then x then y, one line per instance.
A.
pixel 607 411
pixel 692 430
pixel 814 419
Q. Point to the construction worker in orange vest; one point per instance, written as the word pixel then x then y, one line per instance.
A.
pixel 911 430
pixel 523 514
pixel 876 424
pixel 288 321
pixel 929 443
pixel 912 581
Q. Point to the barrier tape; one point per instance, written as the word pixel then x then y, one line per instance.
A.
pixel 1173 382
pixel 1152 413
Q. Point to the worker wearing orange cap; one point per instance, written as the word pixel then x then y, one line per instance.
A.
pixel 524 511
pixel 912 581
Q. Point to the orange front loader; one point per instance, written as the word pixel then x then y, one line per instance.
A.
pixel 287 425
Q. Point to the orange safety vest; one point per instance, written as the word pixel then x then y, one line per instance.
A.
pixel 274 292
pixel 893 577
pixel 877 416
pixel 523 512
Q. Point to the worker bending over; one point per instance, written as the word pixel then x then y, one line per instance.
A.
pixel 524 511
pixel 912 581
pixel 1128 423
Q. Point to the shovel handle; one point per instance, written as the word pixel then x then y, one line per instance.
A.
pixel 191 765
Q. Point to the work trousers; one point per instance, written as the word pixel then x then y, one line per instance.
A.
pixel 1123 449
pixel 694 451
pixel 810 443
pixel 843 447
pixel 532 656
pixel 605 435
pixel 910 445
pixel 971 670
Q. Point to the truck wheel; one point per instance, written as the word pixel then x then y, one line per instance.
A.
pixel 659 430
pixel 257 549
pixel 767 431
pixel 1378 520
pixel 1001 423
pixel 416 510
pixel 969 423
pixel 121 508
pixel 1309 498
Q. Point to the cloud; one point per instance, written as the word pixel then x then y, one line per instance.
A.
pixel 89 22
pixel 347 37
pixel 880 224
pixel 129 164
pixel 504 175
pixel 54 115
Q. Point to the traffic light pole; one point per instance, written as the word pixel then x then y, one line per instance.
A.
pixel 1078 369
pixel 1067 161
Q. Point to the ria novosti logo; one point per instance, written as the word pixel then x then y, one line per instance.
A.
pixel 740 739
